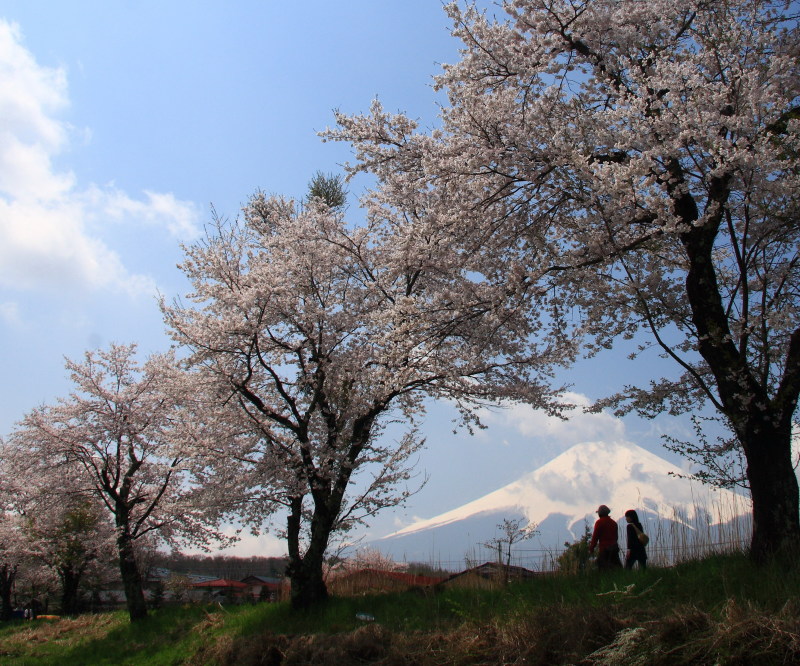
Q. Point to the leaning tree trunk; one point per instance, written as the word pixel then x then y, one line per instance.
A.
pixel 763 423
pixel 131 578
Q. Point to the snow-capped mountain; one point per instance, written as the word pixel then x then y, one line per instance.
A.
pixel 561 497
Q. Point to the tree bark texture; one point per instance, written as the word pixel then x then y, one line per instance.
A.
pixel 308 583
pixel 773 488
pixel 131 578
pixel 305 570
pixel 327 494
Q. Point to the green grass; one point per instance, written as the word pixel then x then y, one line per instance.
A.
pixel 694 607
pixel 164 638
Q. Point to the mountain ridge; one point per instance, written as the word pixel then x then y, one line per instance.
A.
pixel 561 496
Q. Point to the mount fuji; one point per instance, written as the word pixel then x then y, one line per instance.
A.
pixel 560 498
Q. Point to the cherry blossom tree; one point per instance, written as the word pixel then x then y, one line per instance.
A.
pixel 59 526
pixel 639 159
pixel 362 558
pixel 322 334
pixel 129 439
pixel 73 539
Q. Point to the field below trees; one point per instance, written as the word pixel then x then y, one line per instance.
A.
pixel 720 610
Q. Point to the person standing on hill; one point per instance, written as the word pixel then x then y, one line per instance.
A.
pixel 605 538
pixel 636 551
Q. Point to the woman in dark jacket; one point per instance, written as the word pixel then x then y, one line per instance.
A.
pixel 636 551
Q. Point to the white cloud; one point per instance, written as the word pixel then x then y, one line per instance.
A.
pixel 157 209
pixel 399 522
pixel 578 426
pixel 249 545
pixel 48 224
pixel 43 246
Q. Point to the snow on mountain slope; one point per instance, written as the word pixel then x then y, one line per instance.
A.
pixel 564 493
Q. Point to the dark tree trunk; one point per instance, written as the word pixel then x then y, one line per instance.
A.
pixel 305 570
pixel 773 488
pixel 762 421
pixel 7 575
pixel 70 583
pixel 308 583
pixel 131 578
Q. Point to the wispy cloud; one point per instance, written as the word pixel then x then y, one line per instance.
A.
pixel 111 204
pixel 49 221
pixel 577 427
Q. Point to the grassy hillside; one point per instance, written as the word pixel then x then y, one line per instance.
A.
pixel 721 610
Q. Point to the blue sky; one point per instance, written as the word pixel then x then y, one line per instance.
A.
pixel 123 122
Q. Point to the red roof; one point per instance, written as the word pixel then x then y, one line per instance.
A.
pixel 220 582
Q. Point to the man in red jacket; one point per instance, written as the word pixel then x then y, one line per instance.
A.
pixel 605 537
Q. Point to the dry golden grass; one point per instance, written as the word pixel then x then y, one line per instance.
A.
pixel 64 632
pixel 562 635
pixel 545 637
